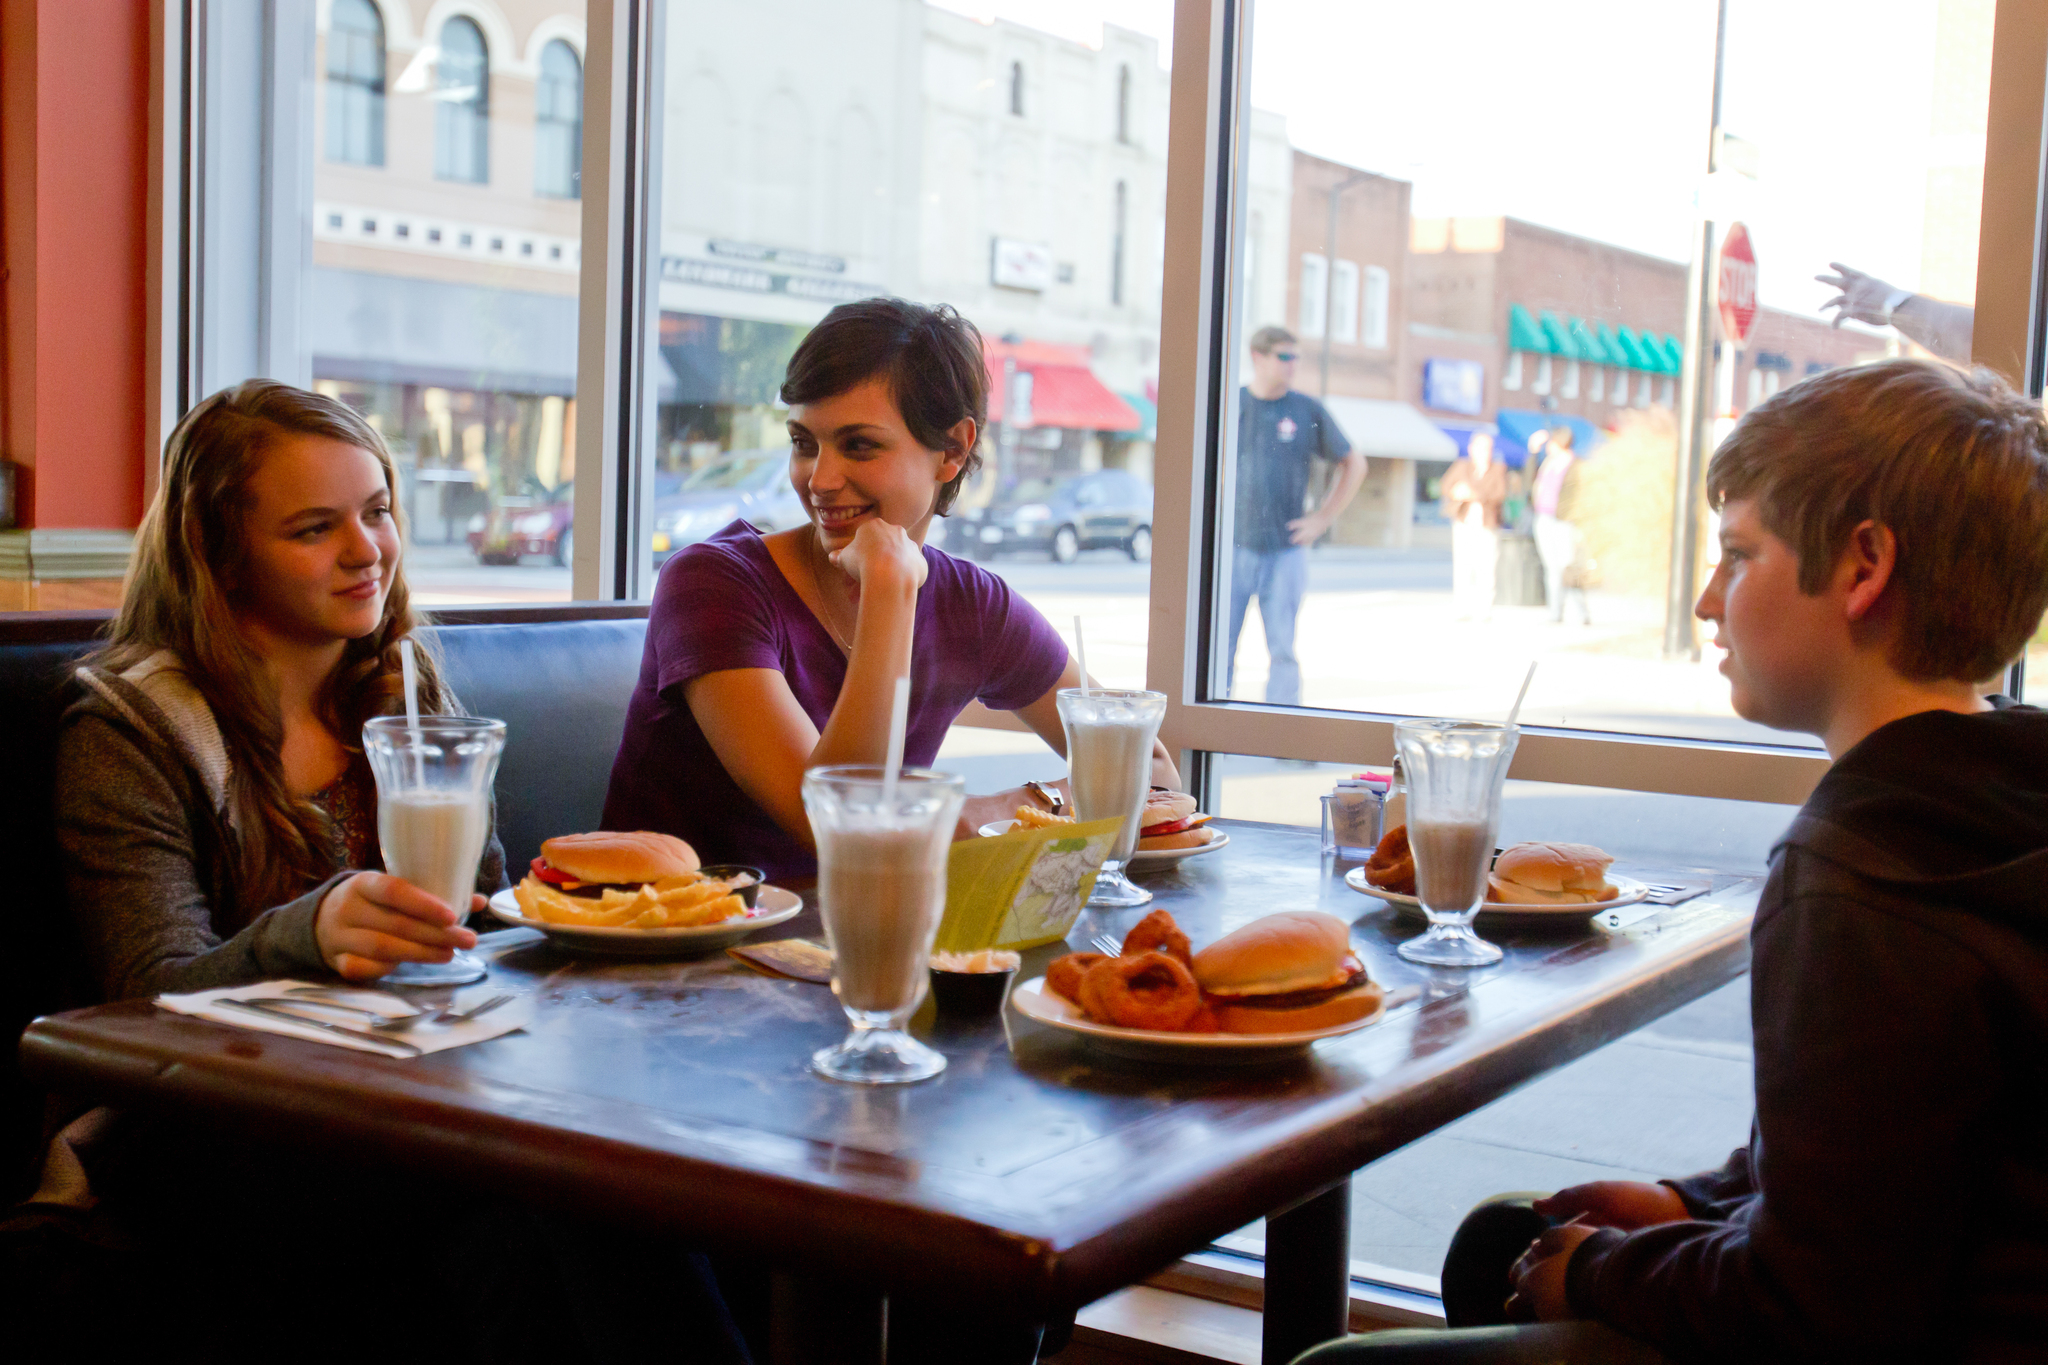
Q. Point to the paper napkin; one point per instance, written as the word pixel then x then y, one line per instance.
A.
pixel 426 1038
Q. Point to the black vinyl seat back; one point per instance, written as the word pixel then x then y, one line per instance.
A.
pixel 561 687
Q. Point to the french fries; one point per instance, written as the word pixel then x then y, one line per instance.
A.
pixel 1031 817
pixel 670 903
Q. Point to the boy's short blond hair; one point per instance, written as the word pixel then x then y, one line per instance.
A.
pixel 1954 462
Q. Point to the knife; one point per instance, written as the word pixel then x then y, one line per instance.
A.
pixel 257 1007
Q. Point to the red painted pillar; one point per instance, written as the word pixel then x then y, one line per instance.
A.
pixel 74 173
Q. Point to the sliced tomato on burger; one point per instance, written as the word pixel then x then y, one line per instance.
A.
pixel 549 874
pixel 1172 826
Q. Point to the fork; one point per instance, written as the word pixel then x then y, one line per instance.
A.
pixel 385 1023
pixel 1103 943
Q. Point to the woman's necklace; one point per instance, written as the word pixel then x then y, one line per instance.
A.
pixel 812 556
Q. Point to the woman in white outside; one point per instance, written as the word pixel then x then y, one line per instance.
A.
pixel 1474 489
pixel 1557 540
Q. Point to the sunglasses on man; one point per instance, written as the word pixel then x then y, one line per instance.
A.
pixel 1289 356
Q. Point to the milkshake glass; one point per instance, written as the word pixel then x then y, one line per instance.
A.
pixel 1454 771
pixel 434 817
pixel 881 893
pixel 1109 767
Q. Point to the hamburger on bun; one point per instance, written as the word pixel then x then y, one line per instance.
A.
pixel 1169 820
pixel 1286 973
pixel 588 863
pixel 1550 874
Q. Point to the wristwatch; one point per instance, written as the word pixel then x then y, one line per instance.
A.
pixel 1894 301
pixel 1049 795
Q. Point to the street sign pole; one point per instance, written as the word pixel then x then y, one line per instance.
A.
pixel 1695 404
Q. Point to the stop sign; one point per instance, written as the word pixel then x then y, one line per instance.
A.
pixel 1738 284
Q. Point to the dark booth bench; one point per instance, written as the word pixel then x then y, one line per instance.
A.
pixel 559 677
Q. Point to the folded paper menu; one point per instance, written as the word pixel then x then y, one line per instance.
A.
pixel 1022 888
pixel 340 1029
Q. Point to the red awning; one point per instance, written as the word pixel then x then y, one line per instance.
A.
pixel 1064 391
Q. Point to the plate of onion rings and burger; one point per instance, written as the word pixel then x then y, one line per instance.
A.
pixel 1172 830
pixel 640 895
pixel 1530 882
pixel 1270 988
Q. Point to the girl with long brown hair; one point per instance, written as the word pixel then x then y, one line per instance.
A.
pixel 217 816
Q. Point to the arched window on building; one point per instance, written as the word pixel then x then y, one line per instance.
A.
pixel 462 104
pixel 355 84
pixel 1116 245
pixel 1017 89
pixel 1123 104
pixel 558 123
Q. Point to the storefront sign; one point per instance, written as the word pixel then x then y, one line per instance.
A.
pixel 1021 265
pixel 1454 386
pixel 754 279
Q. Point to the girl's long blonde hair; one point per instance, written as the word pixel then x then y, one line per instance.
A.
pixel 182 593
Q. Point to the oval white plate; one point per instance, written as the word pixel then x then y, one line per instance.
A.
pixel 773 906
pixel 1143 858
pixel 1035 1002
pixel 1627 892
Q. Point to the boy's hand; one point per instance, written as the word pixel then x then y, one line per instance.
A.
pixel 1624 1204
pixel 1538 1276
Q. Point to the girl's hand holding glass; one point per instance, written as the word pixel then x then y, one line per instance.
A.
pixel 371 922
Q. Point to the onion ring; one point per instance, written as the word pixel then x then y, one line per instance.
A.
pixel 1158 932
pixel 1063 976
pixel 1148 991
pixel 1392 865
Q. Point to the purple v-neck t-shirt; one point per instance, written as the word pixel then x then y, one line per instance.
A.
pixel 723 604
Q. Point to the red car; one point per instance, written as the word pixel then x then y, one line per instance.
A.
pixel 521 526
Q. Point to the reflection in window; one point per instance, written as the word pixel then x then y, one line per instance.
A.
pixel 1570 388
pixel 1017 89
pixel 1596 384
pixel 462 90
pixel 1315 292
pixel 1511 377
pixel 355 84
pixel 1620 387
pixel 1116 246
pixel 1541 384
pixel 1378 290
pixel 558 123
pixel 1344 302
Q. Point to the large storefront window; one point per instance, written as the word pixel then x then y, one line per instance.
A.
pixel 442 294
pixel 1405 526
pixel 890 150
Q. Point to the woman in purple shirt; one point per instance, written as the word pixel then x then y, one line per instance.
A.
pixel 768 655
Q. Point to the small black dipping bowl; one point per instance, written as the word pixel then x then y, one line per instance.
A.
pixel 970 994
pixel 746 880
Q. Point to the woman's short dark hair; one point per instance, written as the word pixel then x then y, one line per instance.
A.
pixel 930 356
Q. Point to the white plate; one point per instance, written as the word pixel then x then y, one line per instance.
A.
pixel 772 906
pixel 1140 860
pixel 1035 1002
pixel 1627 892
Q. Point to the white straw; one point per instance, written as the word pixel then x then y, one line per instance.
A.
pixel 411 671
pixel 899 721
pixel 1081 655
pixel 1527 678
pixel 412 686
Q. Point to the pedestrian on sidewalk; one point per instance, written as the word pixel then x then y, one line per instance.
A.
pixel 1475 488
pixel 1279 432
pixel 1557 540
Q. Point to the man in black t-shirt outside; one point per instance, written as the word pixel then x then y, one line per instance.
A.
pixel 1279 432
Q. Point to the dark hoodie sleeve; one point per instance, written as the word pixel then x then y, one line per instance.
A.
pixel 131 883
pixel 1718 1193
pixel 1878 1061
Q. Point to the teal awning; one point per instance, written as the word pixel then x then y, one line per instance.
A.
pixel 1631 348
pixel 1148 416
pixel 1523 333
pixel 1674 356
pixel 1561 343
pixel 1611 343
pixel 1591 348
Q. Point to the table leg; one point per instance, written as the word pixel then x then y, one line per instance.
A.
pixel 1308 1274
pixel 818 1323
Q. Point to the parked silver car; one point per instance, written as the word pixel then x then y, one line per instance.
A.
pixel 753 484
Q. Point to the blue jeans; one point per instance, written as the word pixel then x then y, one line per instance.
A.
pixel 1279 579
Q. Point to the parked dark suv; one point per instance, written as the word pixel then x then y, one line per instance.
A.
pixel 1111 509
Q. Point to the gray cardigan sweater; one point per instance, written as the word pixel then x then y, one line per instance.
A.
pixel 147 837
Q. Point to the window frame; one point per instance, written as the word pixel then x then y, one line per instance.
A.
pixel 575 144
pixel 373 93
pixel 447 112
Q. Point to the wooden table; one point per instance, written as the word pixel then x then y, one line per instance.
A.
pixel 1033 1177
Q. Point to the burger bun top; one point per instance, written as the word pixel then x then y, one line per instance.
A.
pixel 643 856
pixel 1552 867
pixel 1297 950
pixel 1163 807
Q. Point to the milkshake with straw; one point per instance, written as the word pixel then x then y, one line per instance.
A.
pixel 1109 766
